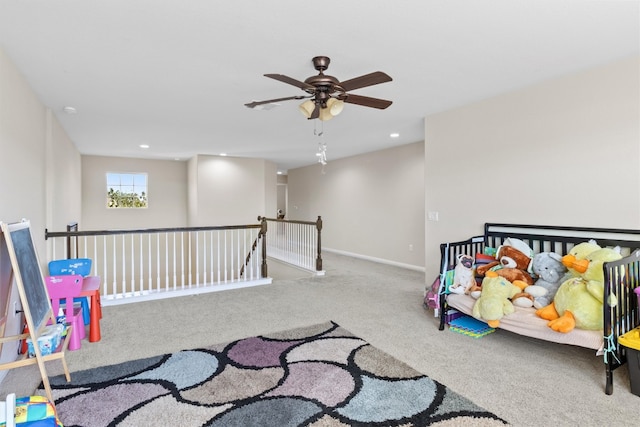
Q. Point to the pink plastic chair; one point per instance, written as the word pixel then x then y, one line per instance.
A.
pixel 90 289
pixel 67 288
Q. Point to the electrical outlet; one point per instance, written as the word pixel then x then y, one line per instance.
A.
pixel 433 216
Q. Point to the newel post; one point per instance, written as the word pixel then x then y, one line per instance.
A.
pixel 319 258
pixel 263 232
pixel 71 227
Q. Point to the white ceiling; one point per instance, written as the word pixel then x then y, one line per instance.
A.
pixel 174 74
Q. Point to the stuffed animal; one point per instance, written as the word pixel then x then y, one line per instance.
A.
pixel 575 260
pixel 511 256
pixel 513 253
pixel 519 245
pixel 463 277
pixel 512 264
pixel 494 302
pixel 513 274
pixel 551 272
pixel 579 300
pixel 523 299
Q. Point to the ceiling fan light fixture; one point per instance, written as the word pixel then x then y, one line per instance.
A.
pixel 335 106
pixel 325 114
pixel 307 107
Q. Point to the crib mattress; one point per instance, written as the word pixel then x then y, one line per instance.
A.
pixel 525 322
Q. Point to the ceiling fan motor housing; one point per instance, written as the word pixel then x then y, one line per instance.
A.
pixel 321 63
pixel 324 87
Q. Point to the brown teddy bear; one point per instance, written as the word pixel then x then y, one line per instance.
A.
pixel 512 264
pixel 511 257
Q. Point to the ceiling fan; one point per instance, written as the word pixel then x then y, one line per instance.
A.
pixel 326 95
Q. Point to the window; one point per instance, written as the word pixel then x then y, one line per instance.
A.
pixel 126 190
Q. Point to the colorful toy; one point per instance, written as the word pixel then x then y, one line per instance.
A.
pixel 32 411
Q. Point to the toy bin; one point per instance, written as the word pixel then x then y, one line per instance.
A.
pixel 631 340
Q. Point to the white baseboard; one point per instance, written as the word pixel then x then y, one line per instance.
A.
pixel 374 259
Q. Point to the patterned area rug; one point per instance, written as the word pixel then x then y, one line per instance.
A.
pixel 321 375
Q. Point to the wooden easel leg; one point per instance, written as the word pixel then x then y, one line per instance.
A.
pixel 67 375
pixel 45 377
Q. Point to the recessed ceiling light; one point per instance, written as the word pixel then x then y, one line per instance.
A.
pixel 144 146
pixel 394 135
pixel 223 154
pixel 279 172
pixel 69 110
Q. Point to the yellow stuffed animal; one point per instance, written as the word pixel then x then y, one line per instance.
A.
pixel 494 302
pixel 575 260
pixel 578 302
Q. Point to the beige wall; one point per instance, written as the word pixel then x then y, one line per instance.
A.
pixel 64 183
pixel 167 194
pixel 38 164
pixel 563 152
pixel 23 130
pixel 372 205
pixel 270 178
pixel 206 190
pixel 230 190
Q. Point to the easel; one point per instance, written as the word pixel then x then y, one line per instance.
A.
pixel 17 243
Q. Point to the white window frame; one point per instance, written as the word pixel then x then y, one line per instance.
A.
pixel 134 183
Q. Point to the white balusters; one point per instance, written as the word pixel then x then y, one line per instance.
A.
pixel 132 265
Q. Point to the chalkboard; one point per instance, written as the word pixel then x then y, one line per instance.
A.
pixel 29 273
pixel 34 298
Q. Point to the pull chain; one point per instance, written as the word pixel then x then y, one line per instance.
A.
pixel 322 147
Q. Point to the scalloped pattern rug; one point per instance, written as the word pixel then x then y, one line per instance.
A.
pixel 321 375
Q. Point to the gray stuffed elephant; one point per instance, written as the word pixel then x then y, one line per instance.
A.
pixel 547 266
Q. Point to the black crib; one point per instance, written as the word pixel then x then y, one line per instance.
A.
pixel 621 277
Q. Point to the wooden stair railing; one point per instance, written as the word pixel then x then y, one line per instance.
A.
pixel 261 235
pixel 275 241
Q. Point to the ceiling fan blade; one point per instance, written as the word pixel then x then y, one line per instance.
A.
pixel 291 81
pixel 315 113
pixel 370 79
pixel 270 101
pixel 366 101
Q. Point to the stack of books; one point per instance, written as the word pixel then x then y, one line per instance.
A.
pixel 470 326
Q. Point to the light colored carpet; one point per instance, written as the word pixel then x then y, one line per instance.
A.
pixel 524 381
pixel 316 376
